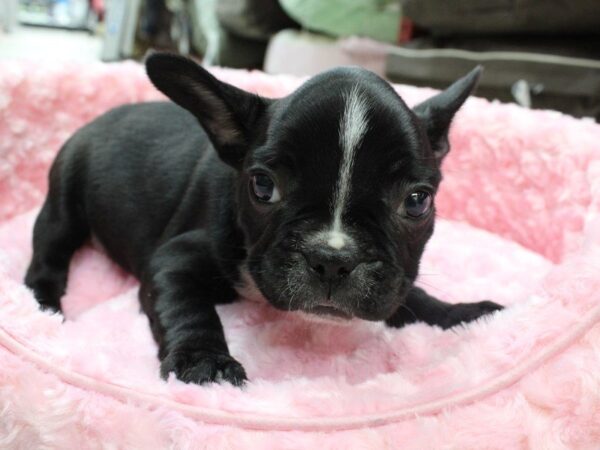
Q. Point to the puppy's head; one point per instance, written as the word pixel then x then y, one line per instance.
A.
pixel 335 183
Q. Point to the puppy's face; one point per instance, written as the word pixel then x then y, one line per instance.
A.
pixel 335 188
pixel 337 202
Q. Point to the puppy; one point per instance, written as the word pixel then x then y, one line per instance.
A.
pixel 322 200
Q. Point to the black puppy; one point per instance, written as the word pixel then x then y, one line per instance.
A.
pixel 322 201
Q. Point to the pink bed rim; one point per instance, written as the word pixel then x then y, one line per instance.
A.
pixel 519 223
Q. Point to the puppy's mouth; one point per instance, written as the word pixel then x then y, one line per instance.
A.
pixel 328 310
pixel 372 292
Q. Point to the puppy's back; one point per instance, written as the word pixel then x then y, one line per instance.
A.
pixel 127 171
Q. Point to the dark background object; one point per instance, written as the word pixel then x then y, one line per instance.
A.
pixel 246 27
pixel 540 54
pixel 460 17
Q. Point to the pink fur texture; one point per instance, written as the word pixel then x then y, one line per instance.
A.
pixel 519 224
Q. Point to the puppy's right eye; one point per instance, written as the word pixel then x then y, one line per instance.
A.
pixel 264 189
pixel 417 204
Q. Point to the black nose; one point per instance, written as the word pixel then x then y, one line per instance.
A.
pixel 330 265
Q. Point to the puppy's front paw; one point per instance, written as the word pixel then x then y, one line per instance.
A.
pixel 202 366
pixel 467 312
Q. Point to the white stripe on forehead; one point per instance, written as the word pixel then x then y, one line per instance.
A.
pixel 353 127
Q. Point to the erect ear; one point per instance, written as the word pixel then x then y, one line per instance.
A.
pixel 437 112
pixel 229 115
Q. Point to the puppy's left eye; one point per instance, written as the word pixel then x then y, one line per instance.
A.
pixel 417 204
pixel 264 189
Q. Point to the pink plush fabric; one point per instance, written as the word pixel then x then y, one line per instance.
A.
pixel 519 224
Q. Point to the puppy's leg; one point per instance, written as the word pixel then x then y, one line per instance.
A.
pixel 420 306
pixel 179 291
pixel 59 230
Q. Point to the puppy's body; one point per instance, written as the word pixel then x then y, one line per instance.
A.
pixel 140 175
pixel 323 200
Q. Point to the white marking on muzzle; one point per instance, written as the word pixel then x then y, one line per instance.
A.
pixel 353 128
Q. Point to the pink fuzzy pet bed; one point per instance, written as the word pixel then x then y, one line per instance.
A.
pixel 519 224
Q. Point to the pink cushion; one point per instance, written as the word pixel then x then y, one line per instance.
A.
pixel 519 224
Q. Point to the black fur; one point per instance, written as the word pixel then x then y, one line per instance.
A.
pixel 171 201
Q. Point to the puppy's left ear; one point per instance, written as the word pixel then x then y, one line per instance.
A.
pixel 230 116
pixel 437 112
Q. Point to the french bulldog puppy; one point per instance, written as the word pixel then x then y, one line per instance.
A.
pixel 323 201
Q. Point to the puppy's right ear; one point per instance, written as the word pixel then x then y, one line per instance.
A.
pixel 229 115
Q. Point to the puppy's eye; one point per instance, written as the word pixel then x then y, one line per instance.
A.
pixel 264 189
pixel 417 204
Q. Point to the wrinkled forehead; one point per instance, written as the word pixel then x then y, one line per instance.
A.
pixel 344 140
pixel 361 119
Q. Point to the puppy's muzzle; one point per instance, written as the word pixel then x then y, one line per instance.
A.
pixel 329 269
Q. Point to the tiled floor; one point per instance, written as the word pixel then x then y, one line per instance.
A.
pixel 46 43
